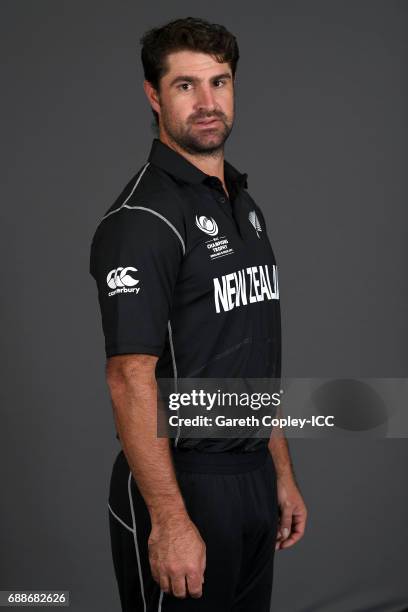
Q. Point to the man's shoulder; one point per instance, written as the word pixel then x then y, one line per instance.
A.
pixel 147 203
pixel 150 188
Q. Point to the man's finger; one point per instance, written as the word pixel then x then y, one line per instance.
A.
pixel 178 586
pixel 165 584
pixel 298 529
pixel 194 585
pixel 286 522
pixel 290 541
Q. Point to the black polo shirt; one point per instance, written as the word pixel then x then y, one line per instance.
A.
pixel 186 273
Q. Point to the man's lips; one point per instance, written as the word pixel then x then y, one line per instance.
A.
pixel 207 121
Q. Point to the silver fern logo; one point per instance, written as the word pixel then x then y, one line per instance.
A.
pixel 255 222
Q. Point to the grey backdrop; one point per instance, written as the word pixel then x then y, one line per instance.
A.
pixel 321 129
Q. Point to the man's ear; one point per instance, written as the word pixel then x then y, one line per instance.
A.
pixel 152 96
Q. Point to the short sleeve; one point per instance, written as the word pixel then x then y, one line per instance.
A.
pixel 135 260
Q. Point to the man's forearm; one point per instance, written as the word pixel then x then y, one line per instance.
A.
pixel 278 447
pixel 134 398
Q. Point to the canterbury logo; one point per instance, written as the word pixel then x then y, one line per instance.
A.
pixel 255 222
pixel 207 225
pixel 119 279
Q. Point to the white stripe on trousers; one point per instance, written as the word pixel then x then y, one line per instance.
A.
pixel 132 510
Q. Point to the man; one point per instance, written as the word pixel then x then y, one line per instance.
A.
pixel 194 522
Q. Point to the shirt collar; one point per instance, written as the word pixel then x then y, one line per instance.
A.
pixel 174 163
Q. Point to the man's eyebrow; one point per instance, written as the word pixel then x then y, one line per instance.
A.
pixel 191 79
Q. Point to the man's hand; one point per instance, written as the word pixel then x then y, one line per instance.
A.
pixel 293 513
pixel 177 556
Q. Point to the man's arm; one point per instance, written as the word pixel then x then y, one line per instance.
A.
pixel 279 449
pixel 293 512
pixel 176 549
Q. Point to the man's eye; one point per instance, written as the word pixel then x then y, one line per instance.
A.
pixel 219 81
pixel 184 86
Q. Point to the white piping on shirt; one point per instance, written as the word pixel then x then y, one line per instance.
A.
pixel 130 194
pixel 154 212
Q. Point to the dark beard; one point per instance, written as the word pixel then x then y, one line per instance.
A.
pixel 192 144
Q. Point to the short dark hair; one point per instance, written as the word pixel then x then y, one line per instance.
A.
pixel 192 34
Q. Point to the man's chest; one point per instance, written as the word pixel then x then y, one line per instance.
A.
pixel 229 262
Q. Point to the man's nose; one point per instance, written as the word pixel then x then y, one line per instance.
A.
pixel 205 98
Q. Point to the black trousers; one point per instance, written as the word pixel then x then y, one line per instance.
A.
pixel 231 498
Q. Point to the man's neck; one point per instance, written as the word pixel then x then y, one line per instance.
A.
pixel 212 165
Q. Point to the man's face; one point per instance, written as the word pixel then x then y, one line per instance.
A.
pixel 196 102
